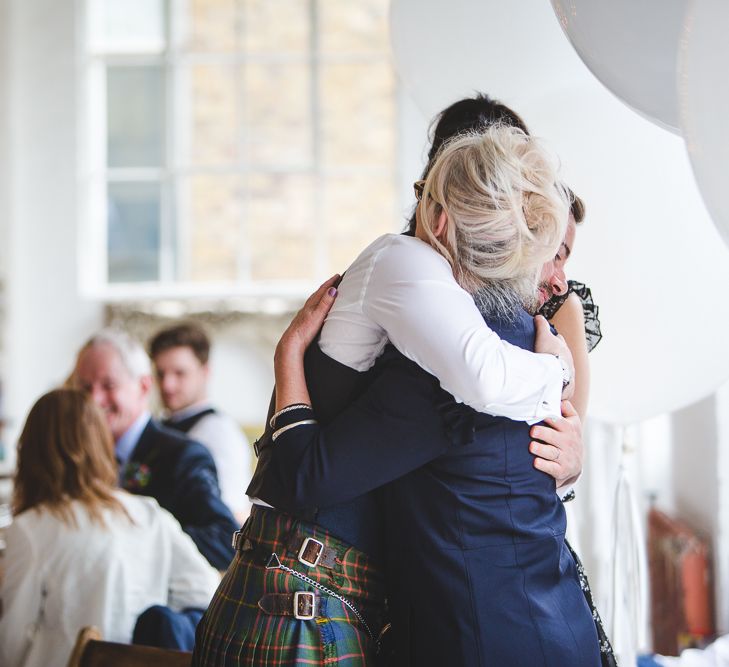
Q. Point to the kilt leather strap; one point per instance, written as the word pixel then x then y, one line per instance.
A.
pixel 312 552
pixel 303 605
pixel 309 551
pixel 244 545
pixel 274 563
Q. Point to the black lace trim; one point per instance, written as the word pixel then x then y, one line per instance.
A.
pixel 593 335
pixel 607 656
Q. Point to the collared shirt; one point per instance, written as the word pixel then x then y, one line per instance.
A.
pixel 128 441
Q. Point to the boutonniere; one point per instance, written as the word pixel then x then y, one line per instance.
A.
pixel 136 476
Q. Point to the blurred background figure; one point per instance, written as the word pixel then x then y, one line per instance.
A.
pixel 180 355
pixel 80 551
pixel 714 655
pixel 154 461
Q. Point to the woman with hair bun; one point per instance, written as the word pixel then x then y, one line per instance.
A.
pixel 81 552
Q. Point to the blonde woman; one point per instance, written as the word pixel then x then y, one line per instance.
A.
pixel 311 588
pixel 80 551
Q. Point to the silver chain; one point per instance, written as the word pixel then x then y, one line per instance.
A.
pixel 280 566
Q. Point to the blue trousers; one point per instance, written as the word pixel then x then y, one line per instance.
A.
pixel 160 626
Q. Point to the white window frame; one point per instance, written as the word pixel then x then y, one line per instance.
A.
pixel 95 175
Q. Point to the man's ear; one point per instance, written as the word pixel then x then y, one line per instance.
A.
pixel 146 382
pixel 441 225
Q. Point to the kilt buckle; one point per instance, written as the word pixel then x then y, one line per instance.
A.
pixel 311 551
pixel 304 605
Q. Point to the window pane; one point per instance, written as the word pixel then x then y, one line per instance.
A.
pixel 358 207
pixel 134 231
pixel 212 26
pixel 280 227
pixel 255 114
pixel 135 116
pixel 276 26
pixel 348 27
pixel 215 208
pixel 126 26
pixel 358 114
pixel 211 95
pixel 278 115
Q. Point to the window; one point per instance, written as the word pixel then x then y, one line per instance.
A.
pixel 237 145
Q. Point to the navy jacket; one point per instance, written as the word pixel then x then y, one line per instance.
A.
pixel 478 573
pixel 332 386
pixel 180 475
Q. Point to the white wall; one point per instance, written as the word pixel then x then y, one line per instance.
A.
pixel 46 318
pixel 721 537
pixel 5 175
pixel 698 488
pixel 412 150
pixel 695 457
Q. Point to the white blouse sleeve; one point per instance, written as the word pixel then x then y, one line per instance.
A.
pixel 20 593
pixel 192 579
pixel 412 295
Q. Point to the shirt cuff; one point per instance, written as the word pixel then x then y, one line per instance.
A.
pixel 550 403
pixel 566 493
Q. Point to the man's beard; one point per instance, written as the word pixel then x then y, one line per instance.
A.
pixel 504 301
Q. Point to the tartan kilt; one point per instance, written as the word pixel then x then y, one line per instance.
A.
pixel 236 631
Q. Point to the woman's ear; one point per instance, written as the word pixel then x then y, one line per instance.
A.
pixel 441 225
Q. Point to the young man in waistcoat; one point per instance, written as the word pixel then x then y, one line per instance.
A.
pixel 180 355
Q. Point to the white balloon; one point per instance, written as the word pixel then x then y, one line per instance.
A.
pixel 704 94
pixel 648 249
pixel 632 48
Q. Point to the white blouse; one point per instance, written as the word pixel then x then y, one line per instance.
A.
pixel 400 289
pixel 63 578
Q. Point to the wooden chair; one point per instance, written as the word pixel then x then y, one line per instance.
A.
pixel 91 651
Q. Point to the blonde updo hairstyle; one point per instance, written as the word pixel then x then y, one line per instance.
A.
pixel 507 211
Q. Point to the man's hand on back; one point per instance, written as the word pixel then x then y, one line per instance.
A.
pixel 557 444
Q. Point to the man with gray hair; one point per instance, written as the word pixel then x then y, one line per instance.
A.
pixel 153 461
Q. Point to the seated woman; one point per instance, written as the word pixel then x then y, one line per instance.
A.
pixel 346 575
pixel 80 551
